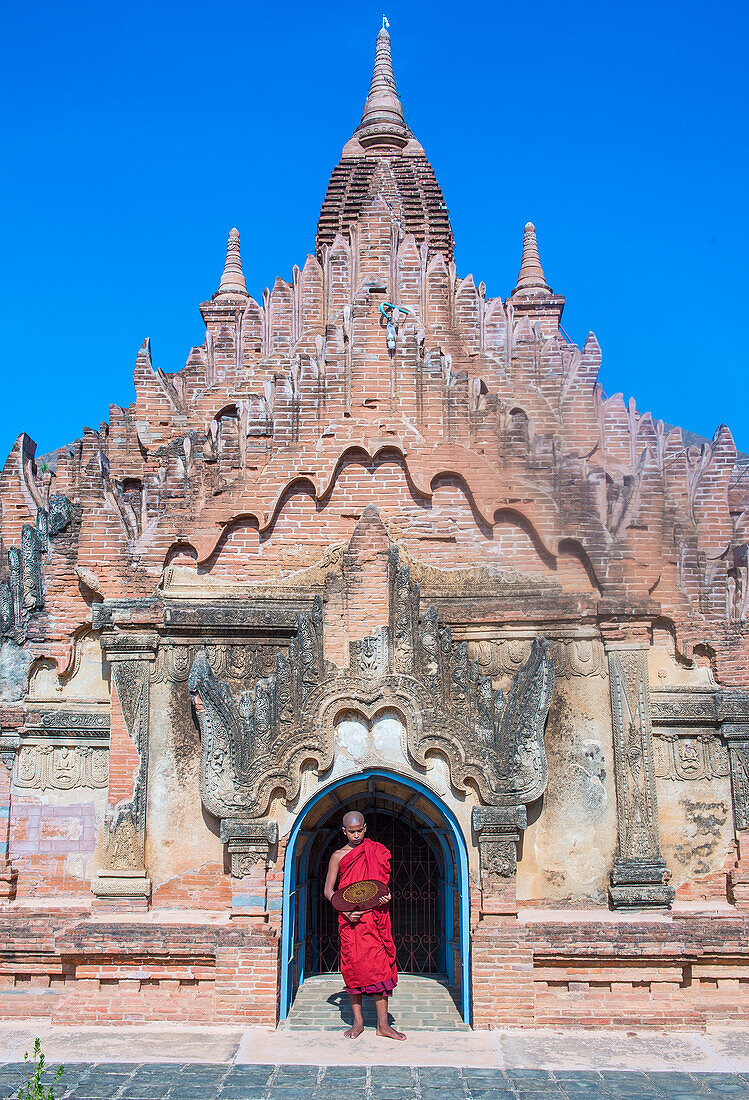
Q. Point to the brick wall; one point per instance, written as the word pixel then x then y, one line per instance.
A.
pixel 82 971
pixel 263 452
pixel 683 972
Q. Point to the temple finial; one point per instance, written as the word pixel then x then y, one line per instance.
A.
pixel 383 124
pixel 232 283
pixel 531 280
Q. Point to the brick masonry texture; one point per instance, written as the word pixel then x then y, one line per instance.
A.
pixel 526 502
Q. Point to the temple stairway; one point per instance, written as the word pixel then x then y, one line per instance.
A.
pixel 418 1003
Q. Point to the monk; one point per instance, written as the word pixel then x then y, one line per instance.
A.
pixel 367 948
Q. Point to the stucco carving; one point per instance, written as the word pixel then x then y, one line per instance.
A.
pixel 639 875
pixel 740 783
pixel 571 656
pixel 737 736
pixel 61 767
pixel 9 743
pixel 82 724
pixel 498 831
pixel 703 756
pixel 22 594
pixel 690 714
pixel 59 513
pixel 249 844
pixel 232 662
pixel 123 848
pixel 683 707
pixel 125 824
pixel 256 741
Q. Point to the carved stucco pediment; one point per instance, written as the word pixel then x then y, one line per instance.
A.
pixel 255 742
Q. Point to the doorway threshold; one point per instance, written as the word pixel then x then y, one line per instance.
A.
pixel 418 1003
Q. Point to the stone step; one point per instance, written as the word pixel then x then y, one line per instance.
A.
pixel 417 1004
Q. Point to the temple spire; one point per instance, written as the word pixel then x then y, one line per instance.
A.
pixel 232 283
pixel 383 125
pixel 531 280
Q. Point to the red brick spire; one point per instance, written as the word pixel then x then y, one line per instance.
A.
pixel 531 280
pixel 382 157
pixel 232 283
pixel 383 125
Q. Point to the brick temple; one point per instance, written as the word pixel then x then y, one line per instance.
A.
pixel 384 544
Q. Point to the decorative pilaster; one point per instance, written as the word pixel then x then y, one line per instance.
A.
pixel 733 713
pixel 122 877
pixel 639 877
pixel 249 846
pixel 498 830
pixel 8 875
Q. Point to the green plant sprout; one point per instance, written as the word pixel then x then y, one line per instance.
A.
pixel 32 1088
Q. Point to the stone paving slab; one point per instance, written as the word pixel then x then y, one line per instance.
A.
pixel 207 1081
pixel 718 1049
pixel 210 1049
pixel 417 1004
pixel 121 1043
pixel 435 1048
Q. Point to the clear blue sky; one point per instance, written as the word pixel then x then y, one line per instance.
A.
pixel 136 135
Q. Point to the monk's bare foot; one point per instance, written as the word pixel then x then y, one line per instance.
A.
pixel 355 1031
pixel 388 1032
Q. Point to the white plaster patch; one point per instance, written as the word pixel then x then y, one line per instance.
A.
pixel 439 775
pixel 359 745
pixel 571 836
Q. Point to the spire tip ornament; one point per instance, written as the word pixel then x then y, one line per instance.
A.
pixel 232 283
pixel 383 124
pixel 531 279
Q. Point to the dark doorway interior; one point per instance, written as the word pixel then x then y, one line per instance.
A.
pixel 417 888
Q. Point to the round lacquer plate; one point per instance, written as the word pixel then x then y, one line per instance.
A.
pixel 360 896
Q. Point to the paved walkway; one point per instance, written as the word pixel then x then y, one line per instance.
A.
pixel 109 1081
pixel 160 1062
pixel 417 1004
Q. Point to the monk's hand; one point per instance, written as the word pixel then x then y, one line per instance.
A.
pixel 353 917
pixel 384 899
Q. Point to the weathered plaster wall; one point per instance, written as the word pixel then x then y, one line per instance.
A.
pixel 53 839
pixel 86 679
pixel 184 854
pixel 570 842
pixel 696 821
pixel 59 788
pixel 695 805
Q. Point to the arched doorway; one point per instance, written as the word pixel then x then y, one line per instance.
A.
pixel 430 881
pixel 417 886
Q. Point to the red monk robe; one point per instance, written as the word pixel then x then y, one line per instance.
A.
pixel 367 948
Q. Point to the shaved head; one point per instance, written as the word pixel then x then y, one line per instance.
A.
pixel 353 819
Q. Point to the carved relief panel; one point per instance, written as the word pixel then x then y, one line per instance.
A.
pixel 639 877
pixel 61 767
pixel 255 741
pixel 123 872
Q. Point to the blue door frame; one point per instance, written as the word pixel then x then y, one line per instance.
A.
pixel 294 913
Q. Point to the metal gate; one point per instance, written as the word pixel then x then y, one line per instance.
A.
pixel 417 885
